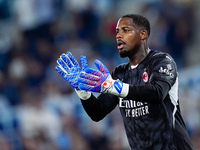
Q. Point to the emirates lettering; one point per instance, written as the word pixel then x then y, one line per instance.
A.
pixel 141 111
pixel 134 108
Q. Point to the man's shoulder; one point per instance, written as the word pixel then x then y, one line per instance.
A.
pixel 156 53
pixel 157 56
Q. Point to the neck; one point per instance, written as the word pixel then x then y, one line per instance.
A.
pixel 139 56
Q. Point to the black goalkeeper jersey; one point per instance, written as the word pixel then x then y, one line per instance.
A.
pixel 150 112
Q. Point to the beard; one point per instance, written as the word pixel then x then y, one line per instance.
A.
pixel 129 52
pixel 123 53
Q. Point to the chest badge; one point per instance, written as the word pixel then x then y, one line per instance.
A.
pixel 145 76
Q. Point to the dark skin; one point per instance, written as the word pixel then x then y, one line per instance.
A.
pixel 131 40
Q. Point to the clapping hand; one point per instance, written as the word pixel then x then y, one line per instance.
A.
pixel 99 80
pixel 69 68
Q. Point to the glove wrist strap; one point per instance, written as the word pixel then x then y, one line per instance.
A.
pixel 123 92
pixel 115 87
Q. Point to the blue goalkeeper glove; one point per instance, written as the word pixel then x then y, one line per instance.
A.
pixel 101 81
pixel 69 68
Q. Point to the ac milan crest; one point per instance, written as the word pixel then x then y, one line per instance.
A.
pixel 145 76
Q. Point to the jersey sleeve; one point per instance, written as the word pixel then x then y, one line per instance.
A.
pixel 163 68
pixel 98 108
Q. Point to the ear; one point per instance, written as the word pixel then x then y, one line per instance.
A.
pixel 143 34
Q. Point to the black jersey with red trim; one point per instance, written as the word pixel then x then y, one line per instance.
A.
pixel 150 112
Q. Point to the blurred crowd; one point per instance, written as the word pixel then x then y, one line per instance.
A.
pixel 38 108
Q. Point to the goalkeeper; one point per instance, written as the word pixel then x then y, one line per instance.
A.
pixel 145 89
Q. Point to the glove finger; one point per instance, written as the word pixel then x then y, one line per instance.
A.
pixel 86 87
pixel 89 77
pixel 83 62
pixel 66 60
pixel 85 81
pixel 62 64
pixel 101 67
pixel 93 72
pixel 72 59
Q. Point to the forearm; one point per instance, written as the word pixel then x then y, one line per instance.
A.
pixel 153 93
pixel 98 108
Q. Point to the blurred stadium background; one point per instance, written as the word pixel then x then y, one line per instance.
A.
pixel 40 111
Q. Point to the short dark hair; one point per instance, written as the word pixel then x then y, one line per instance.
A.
pixel 141 21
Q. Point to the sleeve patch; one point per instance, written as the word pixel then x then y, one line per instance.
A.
pixel 167 70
